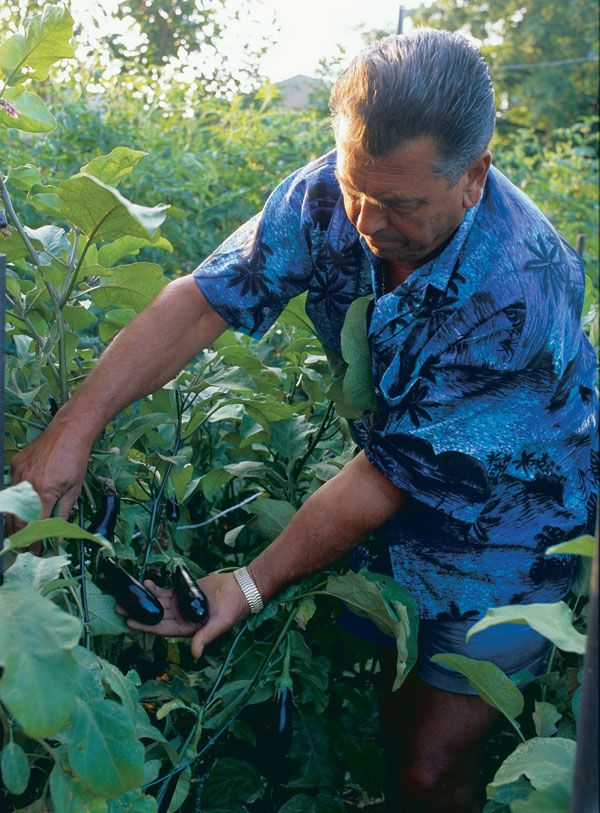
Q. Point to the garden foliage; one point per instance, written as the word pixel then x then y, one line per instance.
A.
pixel 101 212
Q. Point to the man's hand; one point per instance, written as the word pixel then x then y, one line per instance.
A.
pixel 226 603
pixel 55 464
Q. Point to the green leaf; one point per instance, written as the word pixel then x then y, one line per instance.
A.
pixel 358 387
pixel 22 501
pixel 46 40
pixel 104 620
pixel 14 766
pixel 213 480
pixel 583 546
pixel 111 253
pixel 181 479
pixel 545 718
pixel 103 214
pixel 303 803
pixel 44 528
pixel 70 796
pixel 132 286
pixel 32 114
pixel 230 782
pixel 488 680
pixel 545 762
pixel 24 177
pixel 36 643
pixel 114 167
pixel 272 516
pixel 133 802
pixel 52 238
pixel 233 379
pixel 294 315
pixel 266 412
pixel 78 317
pixel 34 571
pixel 103 749
pixel 553 799
pixel 391 608
pixel 553 621
pixel 313 749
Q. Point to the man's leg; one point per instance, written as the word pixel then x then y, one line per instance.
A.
pixel 435 742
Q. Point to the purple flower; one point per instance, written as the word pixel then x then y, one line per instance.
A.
pixel 8 108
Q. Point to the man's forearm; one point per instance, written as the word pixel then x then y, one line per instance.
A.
pixel 332 521
pixel 146 354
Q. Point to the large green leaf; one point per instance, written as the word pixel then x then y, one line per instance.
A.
pixel 553 621
pixel 46 39
pixel 112 168
pixel 103 214
pixel 22 501
pixel 488 680
pixel 103 749
pixel 544 761
pixel 53 526
pixel 132 286
pixel 40 677
pixel 358 387
pixel 70 796
pixel 32 115
pixel 391 608
pixel 35 571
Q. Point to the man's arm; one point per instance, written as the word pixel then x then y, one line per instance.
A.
pixel 147 353
pixel 331 522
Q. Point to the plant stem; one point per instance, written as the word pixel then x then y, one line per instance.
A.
pixel 220 514
pixel 316 438
pixel 56 305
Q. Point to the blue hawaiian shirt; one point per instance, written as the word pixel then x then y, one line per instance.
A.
pixel 483 376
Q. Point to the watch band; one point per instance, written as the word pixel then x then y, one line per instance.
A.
pixel 249 589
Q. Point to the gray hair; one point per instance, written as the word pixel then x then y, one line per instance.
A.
pixel 428 83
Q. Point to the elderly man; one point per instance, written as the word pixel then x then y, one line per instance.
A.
pixel 478 456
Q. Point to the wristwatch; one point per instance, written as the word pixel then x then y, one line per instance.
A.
pixel 249 589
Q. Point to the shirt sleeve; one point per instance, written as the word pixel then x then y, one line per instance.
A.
pixel 251 277
pixel 467 403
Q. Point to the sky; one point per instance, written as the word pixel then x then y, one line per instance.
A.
pixel 312 29
pixel 308 29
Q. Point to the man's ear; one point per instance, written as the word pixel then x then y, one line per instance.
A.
pixel 475 179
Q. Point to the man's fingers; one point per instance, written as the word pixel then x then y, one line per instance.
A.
pixel 160 592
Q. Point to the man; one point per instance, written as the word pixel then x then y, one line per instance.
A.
pixel 478 456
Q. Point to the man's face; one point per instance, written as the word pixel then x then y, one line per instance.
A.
pixel 398 205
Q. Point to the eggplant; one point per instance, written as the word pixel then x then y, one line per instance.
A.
pixel 172 509
pixel 105 518
pixel 192 603
pixel 137 601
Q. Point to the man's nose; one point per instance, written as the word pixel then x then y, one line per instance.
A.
pixel 370 218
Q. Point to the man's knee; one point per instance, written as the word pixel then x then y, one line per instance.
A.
pixel 433 785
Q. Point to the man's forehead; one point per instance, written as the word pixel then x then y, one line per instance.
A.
pixel 406 174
